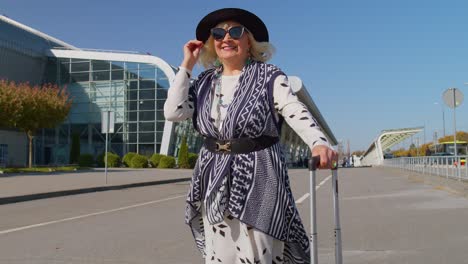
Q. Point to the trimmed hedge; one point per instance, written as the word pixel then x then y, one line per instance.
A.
pixel 113 160
pixel 154 160
pixel 139 161
pixel 192 159
pixel 167 162
pixel 86 160
pixel 182 159
pixel 127 158
pixel 100 160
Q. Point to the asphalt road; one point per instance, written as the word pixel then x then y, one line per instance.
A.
pixel 385 219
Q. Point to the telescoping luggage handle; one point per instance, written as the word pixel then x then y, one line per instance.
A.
pixel 314 163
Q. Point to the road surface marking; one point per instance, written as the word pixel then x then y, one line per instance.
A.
pixel 88 215
pixel 300 200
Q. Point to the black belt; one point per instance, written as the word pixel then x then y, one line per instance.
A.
pixel 239 145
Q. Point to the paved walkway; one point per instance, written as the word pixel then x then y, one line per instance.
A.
pixel 17 187
pixel 387 215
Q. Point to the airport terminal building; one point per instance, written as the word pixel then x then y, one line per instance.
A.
pixel 131 85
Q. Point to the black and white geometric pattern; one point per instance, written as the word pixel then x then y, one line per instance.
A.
pixel 253 188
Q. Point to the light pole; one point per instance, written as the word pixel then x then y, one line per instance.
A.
pixel 436 141
pixel 417 147
pixel 443 117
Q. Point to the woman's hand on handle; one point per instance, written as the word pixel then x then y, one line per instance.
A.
pixel 328 157
pixel 191 53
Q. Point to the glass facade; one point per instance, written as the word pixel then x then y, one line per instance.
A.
pixel 194 140
pixel 135 92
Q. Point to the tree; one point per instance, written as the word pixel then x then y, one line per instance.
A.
pixel 182 159
pixel 400 152
pixel 461 136
pixel 10 104
pixel 424 150
pixel 34 107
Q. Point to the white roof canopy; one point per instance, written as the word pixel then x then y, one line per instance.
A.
pixel 387 139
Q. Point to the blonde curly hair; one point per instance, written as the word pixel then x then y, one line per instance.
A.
pixel 259 51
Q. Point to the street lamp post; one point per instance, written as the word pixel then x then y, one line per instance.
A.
pixel 453 98
pixel 436 142
pixel 417 147
pixel 454 123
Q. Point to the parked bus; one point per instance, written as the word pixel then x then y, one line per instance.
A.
pixel 448 148
pixel 445 151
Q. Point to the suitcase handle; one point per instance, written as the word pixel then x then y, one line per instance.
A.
pixel 314 162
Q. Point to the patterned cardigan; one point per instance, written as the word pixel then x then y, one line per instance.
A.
pixel 253 187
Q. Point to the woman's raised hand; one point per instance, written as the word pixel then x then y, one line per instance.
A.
pixel 328 157
pixel 191 53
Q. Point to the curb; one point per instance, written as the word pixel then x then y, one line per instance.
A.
pixel 39 196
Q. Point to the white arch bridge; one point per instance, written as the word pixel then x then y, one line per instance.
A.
pixel 386 139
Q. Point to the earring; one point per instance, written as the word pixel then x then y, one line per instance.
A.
pixel 248 61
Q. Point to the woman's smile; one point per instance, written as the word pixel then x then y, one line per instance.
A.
pixel 232 47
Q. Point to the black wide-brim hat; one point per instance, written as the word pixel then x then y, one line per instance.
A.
pixel 249 20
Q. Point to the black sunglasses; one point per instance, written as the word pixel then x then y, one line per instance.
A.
pixel 235 32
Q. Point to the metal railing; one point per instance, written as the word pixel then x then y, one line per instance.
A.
pixel 447 166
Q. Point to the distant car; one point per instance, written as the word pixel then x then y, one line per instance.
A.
pixel 442 154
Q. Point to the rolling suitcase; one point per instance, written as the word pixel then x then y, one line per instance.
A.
pixel 313 164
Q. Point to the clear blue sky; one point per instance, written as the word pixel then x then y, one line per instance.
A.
pixel 369 65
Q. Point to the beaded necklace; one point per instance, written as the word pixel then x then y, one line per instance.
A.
pixel 219 97
pixel 217 82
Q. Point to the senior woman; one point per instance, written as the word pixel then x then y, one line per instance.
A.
pixel 240 206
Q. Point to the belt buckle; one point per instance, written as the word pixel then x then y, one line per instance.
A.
pixel 223 147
